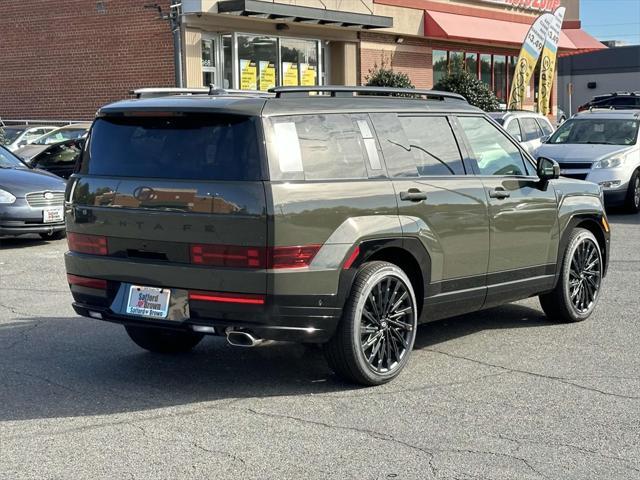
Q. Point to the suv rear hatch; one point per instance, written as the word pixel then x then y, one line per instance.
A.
pixel 170 200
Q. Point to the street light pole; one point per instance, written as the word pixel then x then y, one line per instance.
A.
pixel 175 19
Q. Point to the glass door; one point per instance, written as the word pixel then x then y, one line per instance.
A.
pixel 209 61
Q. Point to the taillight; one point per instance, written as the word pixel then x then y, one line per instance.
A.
pixel 253 257
pixel 87 282
pixel 228 256
pixel 91 244
pixel 219 297
pixel 292 257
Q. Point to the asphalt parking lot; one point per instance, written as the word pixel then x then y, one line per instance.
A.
pixel 501 394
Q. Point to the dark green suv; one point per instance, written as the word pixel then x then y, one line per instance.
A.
pixel 335 215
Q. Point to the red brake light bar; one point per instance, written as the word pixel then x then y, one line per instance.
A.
pixel 245 299
pixel 87 282
pixel 91 244
pixel 253 257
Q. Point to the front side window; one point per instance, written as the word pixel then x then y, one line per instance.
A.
pixel 493 152
pixel 530 129
pixel 544 125
pixel 61 135
pixel 604 131
pixel 318 147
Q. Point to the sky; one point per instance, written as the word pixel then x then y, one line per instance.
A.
pixel 612 19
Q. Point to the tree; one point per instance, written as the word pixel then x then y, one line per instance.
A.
pixel 385 76
pixel 476 92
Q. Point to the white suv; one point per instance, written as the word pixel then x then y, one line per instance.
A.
pixel 529 128
pixel 601 146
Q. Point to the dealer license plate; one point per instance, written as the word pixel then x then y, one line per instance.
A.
pixel 148 302
pixel 53 215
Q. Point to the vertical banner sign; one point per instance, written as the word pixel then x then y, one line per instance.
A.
pixel 527 60
pixel 548 62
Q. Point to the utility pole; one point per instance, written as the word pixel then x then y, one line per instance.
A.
pixel 174 17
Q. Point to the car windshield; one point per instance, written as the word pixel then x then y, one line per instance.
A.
pixel 602 131
pixel 60 135
pixel 9 134
pixel 9 160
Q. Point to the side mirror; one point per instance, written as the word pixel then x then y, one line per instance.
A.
pixel 548 169
pixel 545 138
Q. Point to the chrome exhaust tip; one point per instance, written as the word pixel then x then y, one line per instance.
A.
pixel 240 338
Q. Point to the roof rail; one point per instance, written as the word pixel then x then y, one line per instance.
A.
pixel 211 90
pixel 346 91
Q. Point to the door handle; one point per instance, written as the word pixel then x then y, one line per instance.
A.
pixel 499 193
pixel 413 195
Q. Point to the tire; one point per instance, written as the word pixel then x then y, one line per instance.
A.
pixel 159 340
pixel 632 202
pixel 578 289
pixel 379 354
pixel 59 235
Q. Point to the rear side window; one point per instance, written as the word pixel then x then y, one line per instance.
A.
pixel 530 129
pixel 320 147
pixel 222 147
pixel 416 146
pixel 513 129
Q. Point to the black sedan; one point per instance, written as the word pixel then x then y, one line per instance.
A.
pixel 59 158
pixel 31 201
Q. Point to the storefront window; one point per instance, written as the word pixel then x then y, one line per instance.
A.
pixel 227 61
pixel 439 65
pixel 299 62
pixel 500 77
pixel 257 62
pixel 456 62
pixel 471 63
pixel 485 69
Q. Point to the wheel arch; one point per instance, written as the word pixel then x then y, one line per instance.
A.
pixel 592 223
pixel 407 253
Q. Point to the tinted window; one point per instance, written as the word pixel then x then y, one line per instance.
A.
pixel 544 126
pixel 318 147
pixel 191 147
pixel 60 136
pixel 432 145
pixel 58 156
pixel 530 129
pixel 513 128
pixel 494 153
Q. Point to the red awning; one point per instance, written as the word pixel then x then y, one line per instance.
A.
pixel 463 28
pixel 582 41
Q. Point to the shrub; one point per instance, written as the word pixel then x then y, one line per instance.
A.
pixel 385 76
pixel 476 92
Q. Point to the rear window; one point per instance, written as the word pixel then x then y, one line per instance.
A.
pixel 212 147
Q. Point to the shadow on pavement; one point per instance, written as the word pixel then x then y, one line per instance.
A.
pixel 21 242
pixel 62 367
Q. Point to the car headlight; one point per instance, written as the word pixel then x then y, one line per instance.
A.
pixel 6 197
pixel 610 162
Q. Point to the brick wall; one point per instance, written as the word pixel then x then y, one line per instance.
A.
pixel 64 59
pixel 412 57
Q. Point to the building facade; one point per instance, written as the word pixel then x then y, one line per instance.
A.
pixel 63 59
pixel 582 77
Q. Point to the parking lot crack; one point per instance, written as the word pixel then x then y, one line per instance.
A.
pixel 497 454
pixel 371 433
pixel 42 379
pixel 566 381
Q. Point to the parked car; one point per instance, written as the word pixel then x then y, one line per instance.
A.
pixel 16 136
pixel 31 201
pixel 58 158
pixel 321 216
pixel 615 101
pixel 68 132
pixel 601 146
pixel 529 128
